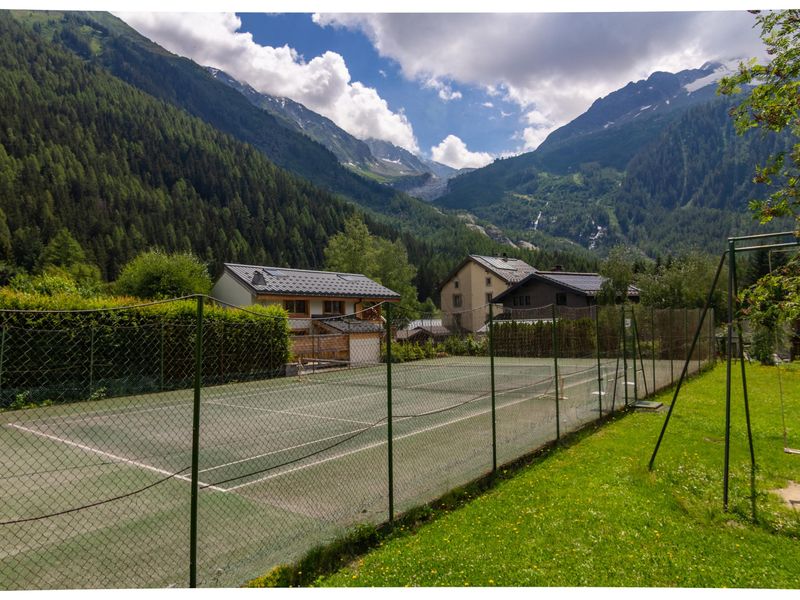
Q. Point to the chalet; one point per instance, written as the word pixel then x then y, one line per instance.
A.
pixel 468 290
pixel 331 315
pixel 562 288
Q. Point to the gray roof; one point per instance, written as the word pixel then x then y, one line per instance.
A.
pixel 508 269
pixel 350 325
pixel 587 284
pixel 302 282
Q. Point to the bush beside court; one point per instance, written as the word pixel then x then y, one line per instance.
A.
pixel 119 347
pixel 591 514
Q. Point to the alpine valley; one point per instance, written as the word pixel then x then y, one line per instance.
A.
pixel 128 146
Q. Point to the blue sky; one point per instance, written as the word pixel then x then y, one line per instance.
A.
pixel 459 88
pixel 433 119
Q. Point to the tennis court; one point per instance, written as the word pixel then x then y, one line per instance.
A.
pixel 303 457
pixel 97 492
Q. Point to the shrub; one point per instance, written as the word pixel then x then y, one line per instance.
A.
pixel 763 345
pixel 69 356
pixel 157 275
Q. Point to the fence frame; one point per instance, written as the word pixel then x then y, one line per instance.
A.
pixel 560 317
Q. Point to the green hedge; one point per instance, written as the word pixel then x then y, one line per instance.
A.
pixel 576 338
pixel 51 357
pixel 452 346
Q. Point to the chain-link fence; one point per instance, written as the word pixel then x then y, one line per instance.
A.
pixel 184 443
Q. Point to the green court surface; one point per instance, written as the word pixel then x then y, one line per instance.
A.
pixel 285 464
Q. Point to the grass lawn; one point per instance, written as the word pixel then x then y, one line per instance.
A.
pixel 590 514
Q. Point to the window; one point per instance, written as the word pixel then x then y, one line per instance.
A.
pixel 488 281
pixel 457 302
pixel 561 299
pixel 527 300
pixel 455 284
pixel 333 307
pixel 514 300
pixel 488 297
pixel 295 307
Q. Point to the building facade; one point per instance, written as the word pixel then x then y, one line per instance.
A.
pixel 331 315
pixel 562 288
pixel 469 289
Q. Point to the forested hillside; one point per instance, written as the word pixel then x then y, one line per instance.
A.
pixel 124 171
pixel 688 186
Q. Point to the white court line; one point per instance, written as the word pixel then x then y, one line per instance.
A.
pixel 383 442
pixel 343 383
pixel 105 413
pixel 287 412
pixel 236 462
pixel 112 456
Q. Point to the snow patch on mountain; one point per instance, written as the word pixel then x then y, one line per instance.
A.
pixel 723 70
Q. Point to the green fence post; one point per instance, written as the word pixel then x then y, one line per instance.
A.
pixel 653 343
pixel 555 378
pixel 491 377
pixel 91 358
pixel 198 363
pixel 637 345
pixel 670 341
pixel 389 409
pixel 624 356
pixel 699 355
pixel 597 352
pixel 729 349
pixel 686 330
pixel 2 357
pixel 161 351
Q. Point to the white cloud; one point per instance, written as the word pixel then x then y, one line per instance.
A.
pixel 322 84
pixel 488 105
pixel 446 92
pixel 557 63
pixel 454 153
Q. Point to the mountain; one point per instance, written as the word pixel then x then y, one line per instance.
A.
pixel 129 147
pixel 376 159
pixel 614 128
pixel 122 171
pixel 348 150
pixel 371 156
pixel 655 164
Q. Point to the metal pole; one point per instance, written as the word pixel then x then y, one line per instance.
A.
pixel 597 352
pixel 729 349
pixel 634 339
pixel 162 353
pixel 198 364
pixel 491 372
pixel 699 357
pixel 746 405
pixel 685 327
pixel 670 342
pixel 2 355
pixel 555 361
pixel 389 409
pixel 653 343
pixel 624 355
pixel 638 344
pixel 709 298
pixel 91 358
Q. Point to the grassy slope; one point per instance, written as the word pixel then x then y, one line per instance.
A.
pixel 592 515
